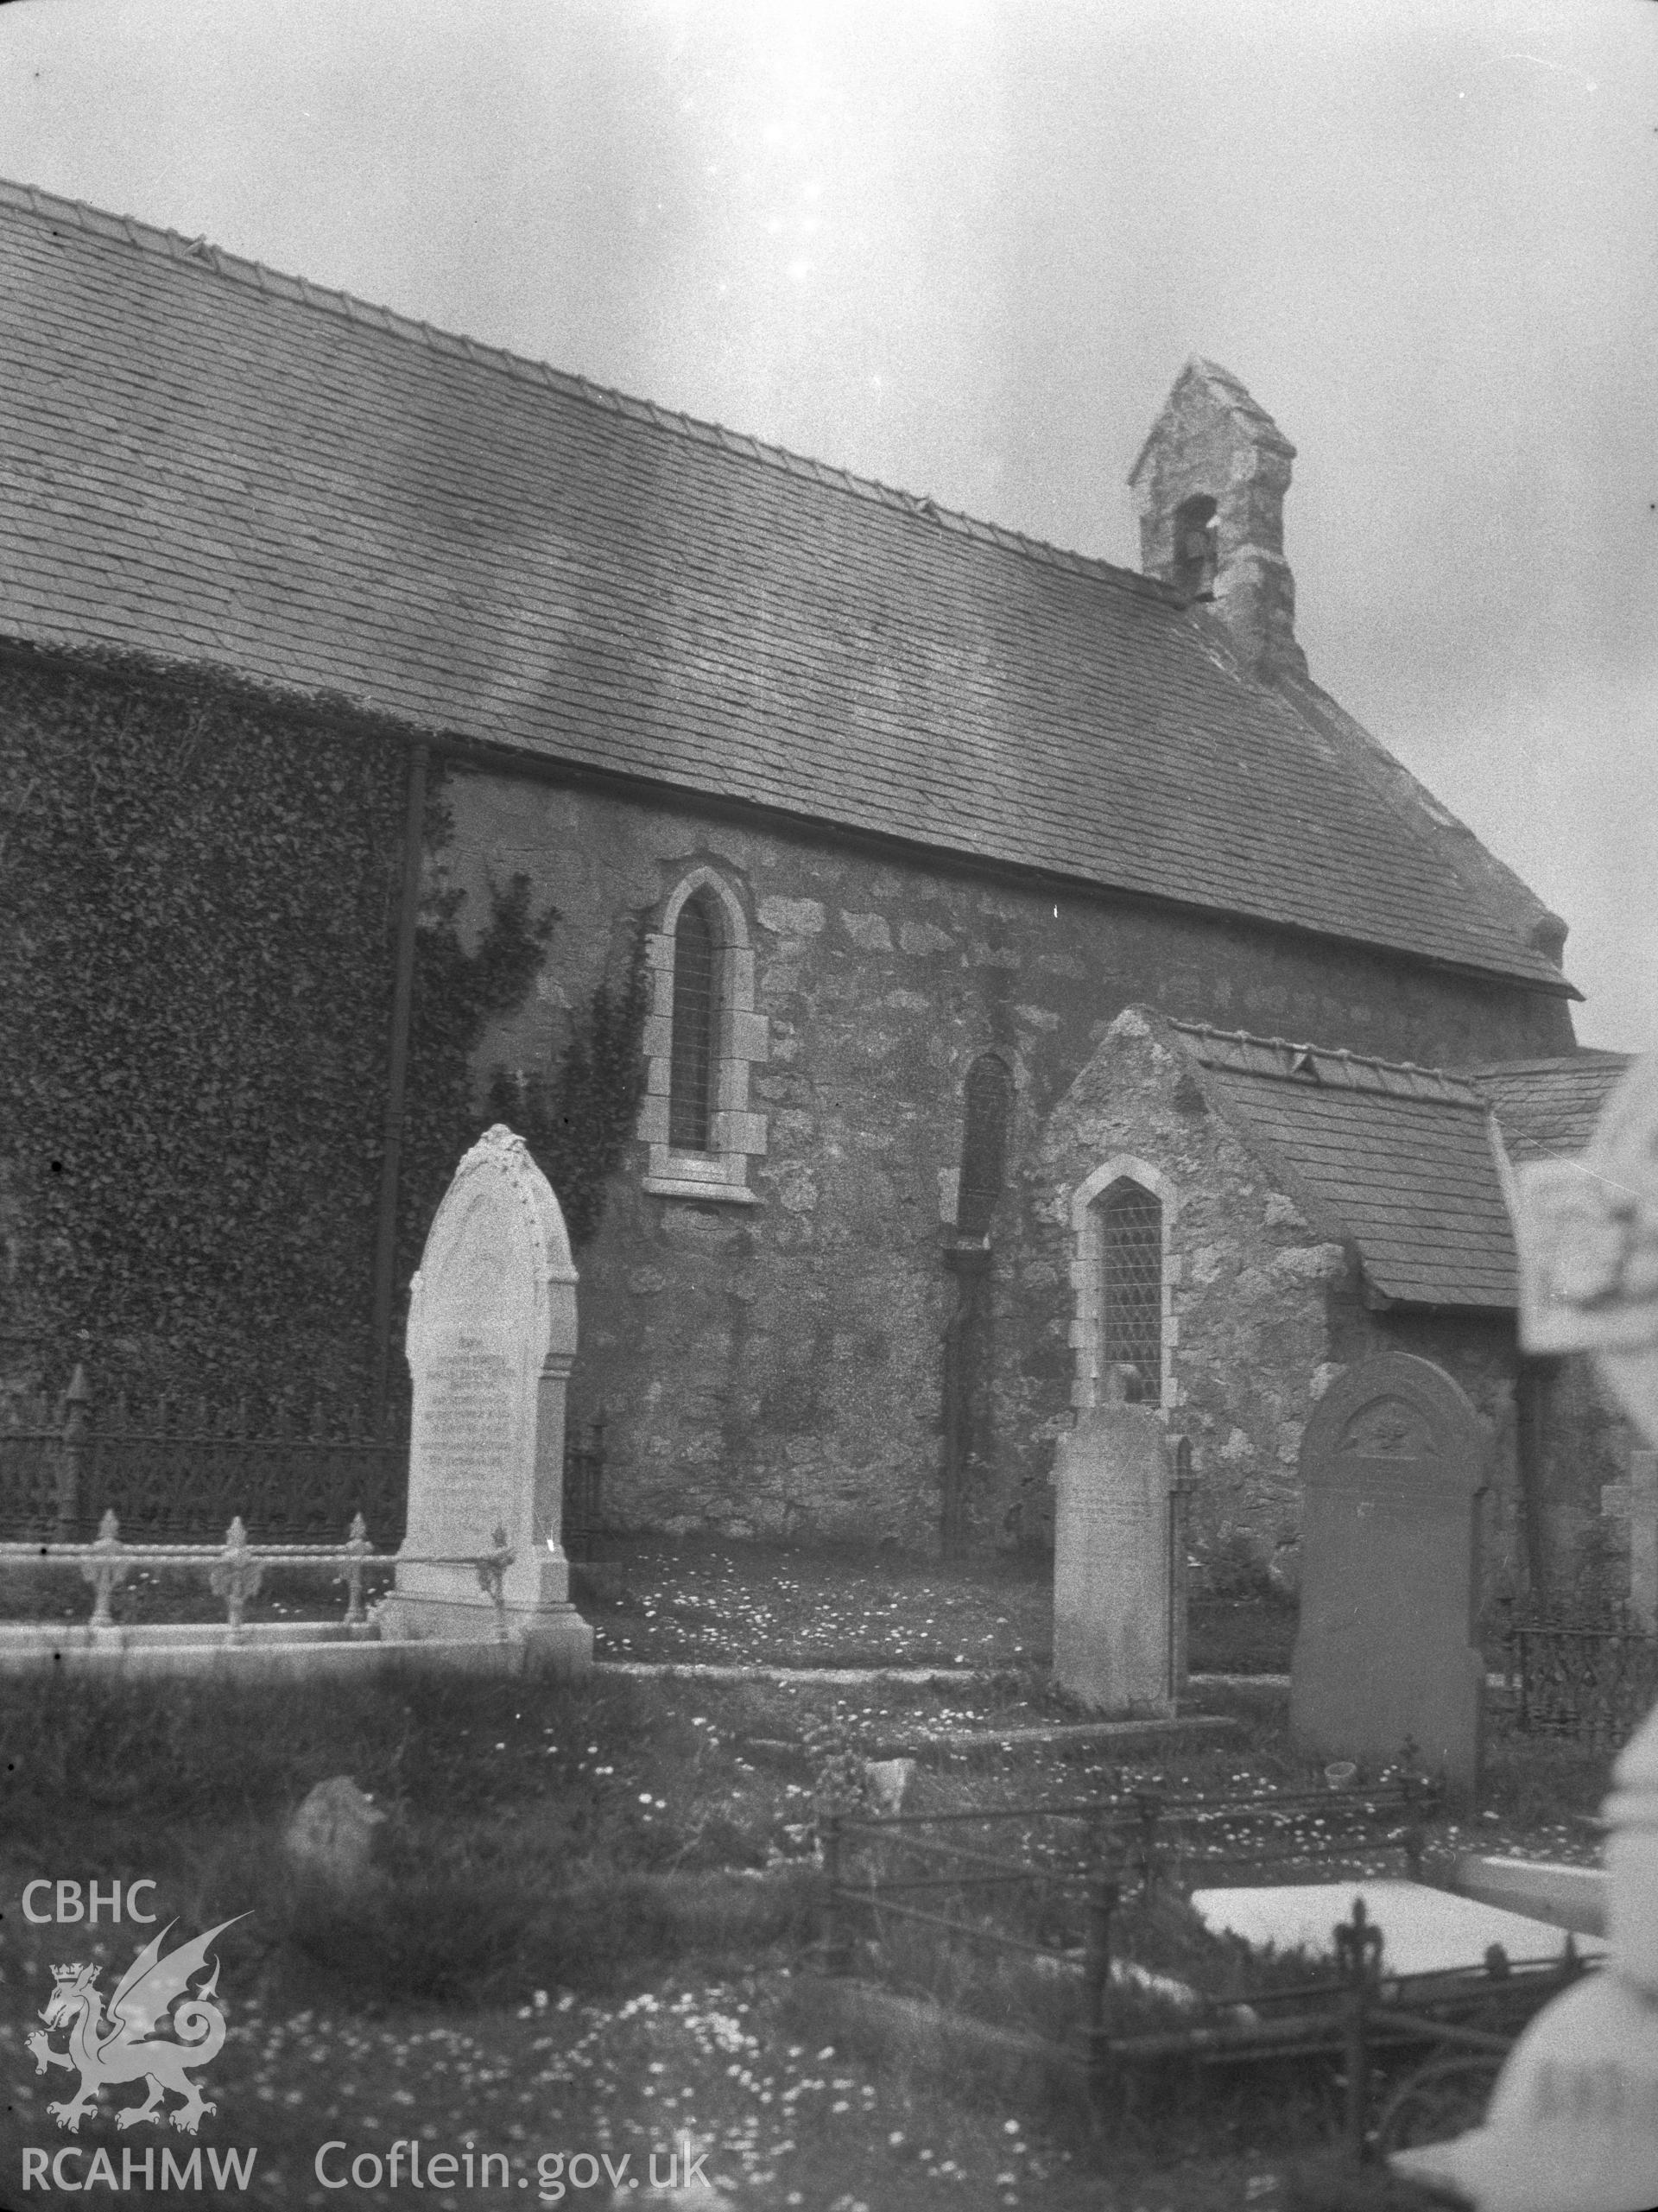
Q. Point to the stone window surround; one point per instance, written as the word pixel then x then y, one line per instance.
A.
pixel 737 1134
pixel 1086 1265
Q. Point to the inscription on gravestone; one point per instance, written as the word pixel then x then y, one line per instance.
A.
pixel 1115 1641
pixel 1393 1462
pixel 468 1428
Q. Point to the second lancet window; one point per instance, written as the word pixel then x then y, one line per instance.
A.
pixel 1131 1284
pixel 693 1065
pixel 989 1103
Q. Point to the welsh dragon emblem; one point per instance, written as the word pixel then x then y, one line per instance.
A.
pixel 123 2047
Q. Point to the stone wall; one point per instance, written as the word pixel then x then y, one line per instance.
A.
pixel 774 1368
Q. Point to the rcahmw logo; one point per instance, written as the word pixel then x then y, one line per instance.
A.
pixel 62 2171
pixel 124 2045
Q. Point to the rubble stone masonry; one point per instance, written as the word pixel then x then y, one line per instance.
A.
pixel 775 1367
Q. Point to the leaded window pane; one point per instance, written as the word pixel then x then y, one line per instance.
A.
pixel 1131 1284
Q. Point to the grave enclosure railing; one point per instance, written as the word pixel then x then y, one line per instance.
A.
pixel 1056 1908
pixel 1160 1840
pixel 178 1470
pixel 235 1570
pixel 1593 1684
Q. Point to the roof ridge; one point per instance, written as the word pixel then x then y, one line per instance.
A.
pixel 1449 1077
pixel 152 238
pixel 1588 1055
pixel 1330 1051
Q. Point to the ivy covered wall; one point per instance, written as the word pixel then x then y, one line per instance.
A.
pixel 200 890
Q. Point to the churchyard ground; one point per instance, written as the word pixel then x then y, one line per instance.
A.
pixel 680 1599
pixel 591 1929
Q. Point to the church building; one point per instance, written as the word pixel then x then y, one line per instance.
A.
pixel 1044 972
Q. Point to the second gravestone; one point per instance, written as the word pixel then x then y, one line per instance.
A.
pixel 1117 1615
pixel 1393 1462
pixel 491 1335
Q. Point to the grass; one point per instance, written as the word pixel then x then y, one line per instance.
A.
pixel 592 1911
pixel 760 1603
pixel 577 1886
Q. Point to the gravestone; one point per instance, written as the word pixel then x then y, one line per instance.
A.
pixel 1116 1635
pixel 491 1335
pixel 1393 1461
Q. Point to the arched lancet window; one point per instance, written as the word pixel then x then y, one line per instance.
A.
pixel 988 1102
pixel 1123 1273
pixel 702 1036
pixel 697 963
pixel 1196 556
pixel 1130 1257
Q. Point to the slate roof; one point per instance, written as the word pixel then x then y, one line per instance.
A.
pixel 205 461
pixel 1396 1158
pixel 1549 1108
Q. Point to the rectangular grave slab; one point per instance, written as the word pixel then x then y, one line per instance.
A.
pixel 1567 1897
pixel 1116 1641
pixel 1393 1462
pixel 1423 1930
pixel 491 1335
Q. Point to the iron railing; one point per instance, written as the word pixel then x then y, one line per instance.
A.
pixel 175 1472
pixel 1053 1898
pixel 1594 1684
pixel 584 1488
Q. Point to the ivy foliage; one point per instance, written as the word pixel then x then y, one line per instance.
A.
pixel 457 992
pixel 200 892
pixel 199 898
pixel 578 1122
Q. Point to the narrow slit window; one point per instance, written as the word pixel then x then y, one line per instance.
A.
pixel 983 1146
pixel 696 1018
pixel 1131 1284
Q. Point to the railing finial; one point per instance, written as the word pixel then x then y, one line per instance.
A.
pixel 105 1566
pixel 237 1576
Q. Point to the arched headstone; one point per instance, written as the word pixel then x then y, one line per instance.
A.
pixel 1392 1463
pixel 491 1336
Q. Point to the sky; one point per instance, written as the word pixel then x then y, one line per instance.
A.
pixel 965 246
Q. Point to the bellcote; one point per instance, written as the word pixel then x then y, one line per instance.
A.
pixel 1209 487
